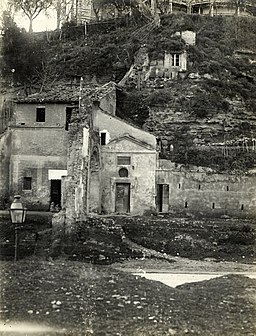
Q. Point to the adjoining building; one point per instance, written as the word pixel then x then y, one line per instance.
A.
pixel 87 11
pixel 39 149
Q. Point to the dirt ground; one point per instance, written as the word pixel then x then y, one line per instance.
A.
pixel 185 265
pixel 75 298
pixel 43 294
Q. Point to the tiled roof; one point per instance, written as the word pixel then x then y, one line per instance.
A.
pixel 66 93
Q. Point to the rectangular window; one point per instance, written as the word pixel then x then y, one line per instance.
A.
pixel 176 60
pixel 103 138
pixel 123 160
pixel 27 183
pixel 40 114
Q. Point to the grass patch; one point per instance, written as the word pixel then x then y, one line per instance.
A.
pixel 81 299
pixel 230 240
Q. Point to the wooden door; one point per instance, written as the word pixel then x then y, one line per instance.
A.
pixel 56 192
pixel 122 198
pixel 162 197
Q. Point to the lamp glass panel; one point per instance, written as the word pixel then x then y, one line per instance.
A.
pixel 17 216
pixel 24 215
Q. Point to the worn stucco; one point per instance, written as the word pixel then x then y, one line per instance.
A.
pixel 141 175
pixel 35 148
pixel 117 127
pixel 33 152
pixel 55 114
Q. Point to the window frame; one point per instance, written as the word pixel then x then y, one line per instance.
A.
pixel 103 135
pixel 38 116
pixel 123 164
pixel 176 60
pixel 123 172
pixel 27 181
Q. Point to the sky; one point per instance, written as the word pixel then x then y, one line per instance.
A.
pixel 41 23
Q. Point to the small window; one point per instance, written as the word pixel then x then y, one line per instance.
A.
pixel 123 160
pixel 176 60
pixel 123 172
pixel 27 183
pixel 213 205
pixel 40 114
pixel 186 204
pixel 179 186
pixel 242 207
pixel 103 137
pixel 227 188
pixel 199 187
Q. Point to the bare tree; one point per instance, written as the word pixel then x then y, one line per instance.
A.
pixel 63 10
pixel 113 6
pixel 239 5
pixel 31 8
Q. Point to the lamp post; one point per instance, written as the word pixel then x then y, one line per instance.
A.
pixel 18 214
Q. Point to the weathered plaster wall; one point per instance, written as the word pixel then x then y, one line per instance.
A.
pixel 36 167
pixel 55 114
pixel 199 190
pixel 117 127
pixel 35 150
pixel 39 141
pixel 141 176
pixel 5 143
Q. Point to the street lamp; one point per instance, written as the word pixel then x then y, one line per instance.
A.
pixel 18 214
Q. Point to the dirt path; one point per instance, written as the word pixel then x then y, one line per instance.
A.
pixel 184 265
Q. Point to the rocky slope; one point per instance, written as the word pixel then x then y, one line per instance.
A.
pixel 209 110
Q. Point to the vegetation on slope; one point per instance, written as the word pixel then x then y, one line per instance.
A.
pixel 222 95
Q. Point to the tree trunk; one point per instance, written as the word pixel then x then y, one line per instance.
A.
pixel 30 25
pixel 58 15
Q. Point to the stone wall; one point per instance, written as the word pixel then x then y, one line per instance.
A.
pixel 201 191
pixel 5 142
pixel 95 174
pixel 6 111
pixel 146 72
pixel 108 100
pixel 75 193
